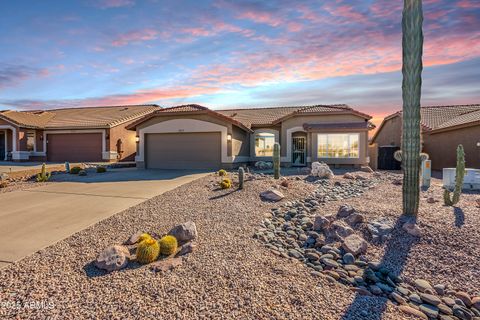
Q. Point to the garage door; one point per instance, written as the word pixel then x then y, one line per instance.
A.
pixel 74 147
pixel 183 150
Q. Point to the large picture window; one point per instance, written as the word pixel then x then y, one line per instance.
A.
pixel 338 145
pixel 264 144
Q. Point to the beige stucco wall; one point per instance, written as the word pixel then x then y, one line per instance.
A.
pixel 442 147
pixel 390 133
pixel 129 145
pixel 240 142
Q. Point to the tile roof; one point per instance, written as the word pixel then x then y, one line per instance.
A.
pixel 91 117
pixel 338 125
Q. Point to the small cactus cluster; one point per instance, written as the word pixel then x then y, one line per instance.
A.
pixel 459 175
pixel 168 245
pixel 276 161
pixel 241 177
pixel 222 173
pixel 75 170
pixel 148 251
pixel 101 169
pixel 226 183
pixel 43 176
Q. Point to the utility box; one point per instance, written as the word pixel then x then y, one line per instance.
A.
pixel 426 173
pixel 470 182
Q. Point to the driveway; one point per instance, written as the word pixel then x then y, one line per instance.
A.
pixel 36 218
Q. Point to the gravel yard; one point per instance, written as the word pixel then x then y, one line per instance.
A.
pixel 231 274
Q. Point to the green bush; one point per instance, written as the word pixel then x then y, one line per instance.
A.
pixel 168 245
pixel 101 169
pixel 75 170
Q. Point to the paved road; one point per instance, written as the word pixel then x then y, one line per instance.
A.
pixel 35 218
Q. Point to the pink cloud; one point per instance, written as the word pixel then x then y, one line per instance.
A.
pixel 468 4
pixel 106 4
pixel 135 36
pixel 259 17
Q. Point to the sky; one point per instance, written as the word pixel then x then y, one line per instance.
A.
pixel 225 54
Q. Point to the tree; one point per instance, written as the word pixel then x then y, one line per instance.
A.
pixel 412 44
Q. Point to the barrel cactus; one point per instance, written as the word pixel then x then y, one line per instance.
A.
pixel 222 173
pixel 144 236
pixel 276 161
pixel 168 245
pixel 148 251
pixel 459 175
pixel 226 183
pixel 241 177
pixel 43 176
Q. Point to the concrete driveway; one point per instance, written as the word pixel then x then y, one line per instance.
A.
pixel 38 217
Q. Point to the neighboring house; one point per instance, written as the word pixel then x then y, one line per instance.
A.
pixel 74 134
pixel 193 136
pixel 443 129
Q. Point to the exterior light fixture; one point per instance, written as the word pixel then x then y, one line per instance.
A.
pixel 137 139
pixel 229 137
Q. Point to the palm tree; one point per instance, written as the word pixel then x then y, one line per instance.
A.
pixel 412 44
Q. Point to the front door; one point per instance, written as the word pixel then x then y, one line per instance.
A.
pixel 2 146
pixel 299 151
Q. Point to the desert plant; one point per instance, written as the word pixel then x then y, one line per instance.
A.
pixel 241 177
pixel 43 176
pixel 75 170
pixel 67 167
pixel 144 236
pixel 459 175
pixel 168 245
pixel 148 251
pixel 101 169
pixel 226 183
pixel 3 184
pixel 412 45
pixel 276 161
pixel 222 173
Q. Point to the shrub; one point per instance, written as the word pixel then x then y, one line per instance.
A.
pixel 168 245
pixel 222 173
pixel 101 169
pixel 43 176
pixel 75 170
pixel 226 183
pixel 148 251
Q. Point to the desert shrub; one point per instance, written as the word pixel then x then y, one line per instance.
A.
pixel 148 251
pixel 101 169
pixel 222 173
pixel 75 170
pixel 226 183
pixel 168 245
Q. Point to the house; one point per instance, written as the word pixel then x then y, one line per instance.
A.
pixel 72 134
pixel 443 129
pixel 195 137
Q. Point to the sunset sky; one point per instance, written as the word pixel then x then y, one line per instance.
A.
pixel 231 53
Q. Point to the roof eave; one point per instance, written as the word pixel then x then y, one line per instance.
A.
pixel 459 126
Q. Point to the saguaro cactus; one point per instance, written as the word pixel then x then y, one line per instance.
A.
pixel 43 176
pixel 459 175
pixel 241 177
pixel 412 44
pixel 276 161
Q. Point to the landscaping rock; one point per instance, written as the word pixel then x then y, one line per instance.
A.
pixel 348 258
pixel 355 245
pixel 380 230
pixel 412 229
pixel 166 264
pixel 134 238
pixel 423 285
pixel 184 232
pixel 413 312
pixel 465 297
pixel 462 312
pixel 429 310
pixel 430 299
pixel 187 248
pixel 349 175
pixel 321 170
pixel 440 289
pixel 320 223
pixel 354 219
pixel 344 211
pixel 272 195
pixel 82 173
pixel 476 302
pixel 3 177
pixel 113 258
pixel 338 230
pixel 431 200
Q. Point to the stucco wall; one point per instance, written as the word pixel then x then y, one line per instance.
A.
pixel 442 147
pixel 129 145
pixel 390 133
pixel 240 142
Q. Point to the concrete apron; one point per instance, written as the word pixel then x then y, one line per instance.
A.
pixel 36 218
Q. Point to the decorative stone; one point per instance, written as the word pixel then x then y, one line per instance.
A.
pixel 272 195
pixel 445 309
pixel 349 176
pixel 320 223
pixel 113 258
pixel 398 298
pixel 476 302
pixel 330 263
pixel 415 298
pixel 375 290
pixel 82 173
pixel 187 248
pixel 464 297
pixel 321 170
pixel 431 200
pixel 348 258
pixel 412 229
pixel 338 230
pixel 429 310
pixel 361 291
pixel 413 312
pixel 344 211
pixel 440 289
pixel 184 232
pixel 134 238
pixel 354 219
pixel 166 264
pixel 430 298
pixel 355 245
pixel 448 301
pixel 462 312
pixel 423 285
pixel 3 177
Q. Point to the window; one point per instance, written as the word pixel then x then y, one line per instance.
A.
pixel 264 144
pixel 338 145
pixel 31 141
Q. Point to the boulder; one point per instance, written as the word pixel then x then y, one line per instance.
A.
pixel 339 230
pixel 166 264
pixel 354 219
pixel 412 229
pixel 184 232
pixel 187 248
pixel 380 230
pixel 465 297
pixel 423 285
pixel 113 258
pixel 413 312
pixel 344 211
pixel 321 170
pixel 355 245
pixel 320 223
pixel 349 176
pixel 3 177
pixel 272 195
pixel 134 238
